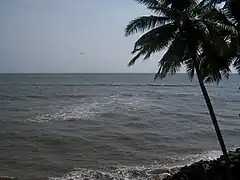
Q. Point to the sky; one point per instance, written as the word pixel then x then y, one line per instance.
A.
pixel 48 36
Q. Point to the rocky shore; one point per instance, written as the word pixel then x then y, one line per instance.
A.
pixel 202 170
pixel 210 170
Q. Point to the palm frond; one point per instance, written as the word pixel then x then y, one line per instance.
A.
pixel 144 23
pixel 226 72
pixel 148 2
pixel 199 33
pixel 212 2
pixel 214 77
pixel 215 45
pixel 133 60
pixel 202 27
pixel 219 17
pixel 213 72
pixel 180 5
pixel 172 59
pixel 160 34
pixel 163 9
pixel 189 64
pixel 190 69
pixel 236 64
pixel 153 41
pixel 214 66
pixel 147 50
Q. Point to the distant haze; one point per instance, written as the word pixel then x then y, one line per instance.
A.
pixel 69 36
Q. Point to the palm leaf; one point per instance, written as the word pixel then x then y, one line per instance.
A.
pixel 153 41
pixel 133 60
pixel 179 5
pixel 144 23
pixel 160 34
pixel 203 28
pixel 236 64
pixel 172 59
pixel 146 51
pixel 148 2
pixel 189 64
pixel 162 9
pixel 211 2
pixel 218 15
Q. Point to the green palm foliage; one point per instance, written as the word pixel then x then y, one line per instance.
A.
pixel 206 33
pixel 202 38
pixel 233 5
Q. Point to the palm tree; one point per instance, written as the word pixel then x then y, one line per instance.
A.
pixel 233 5
pixel 196 37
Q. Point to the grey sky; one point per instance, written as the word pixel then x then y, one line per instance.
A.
pixel 49 35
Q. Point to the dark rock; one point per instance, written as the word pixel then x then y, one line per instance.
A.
pixel 211 170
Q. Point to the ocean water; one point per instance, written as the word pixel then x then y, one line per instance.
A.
pixel 110 126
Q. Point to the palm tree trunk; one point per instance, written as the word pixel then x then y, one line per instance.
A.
pixel 213 116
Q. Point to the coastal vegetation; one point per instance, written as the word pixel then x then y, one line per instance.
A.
pixel 202 36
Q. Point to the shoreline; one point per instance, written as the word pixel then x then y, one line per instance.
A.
pixel 211 170
pixel 199 170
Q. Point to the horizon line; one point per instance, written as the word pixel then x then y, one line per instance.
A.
pixel 81 73
pixel 2 73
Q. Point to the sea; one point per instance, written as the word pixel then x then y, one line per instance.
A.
pixel 110 126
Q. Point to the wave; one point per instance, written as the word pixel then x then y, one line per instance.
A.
pixel 15 97
pixel 86 111
pixel 152 172
pixel 91 110
pixel 120 173
pixel 191 94
pixel 207 155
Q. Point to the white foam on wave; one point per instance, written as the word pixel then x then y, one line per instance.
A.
pixel 207 156
pixel 90 110
pixel 83 111
pixel 121 173
pixel 155 171
pixel 197 94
